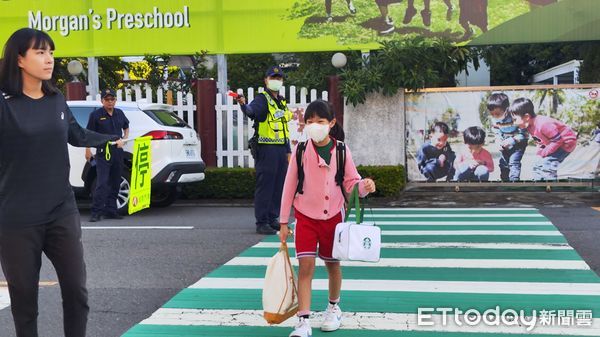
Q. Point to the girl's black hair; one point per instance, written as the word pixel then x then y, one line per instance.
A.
pixel 324 109
pixel 474 135
pixel 522 106
pixel 11 79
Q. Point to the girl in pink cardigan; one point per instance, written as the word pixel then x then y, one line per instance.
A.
pixel 318 209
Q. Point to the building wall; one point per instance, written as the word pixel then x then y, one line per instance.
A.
pixel 375 130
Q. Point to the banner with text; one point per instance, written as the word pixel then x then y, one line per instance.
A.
pixel 183 27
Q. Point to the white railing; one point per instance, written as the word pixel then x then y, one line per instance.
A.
pixel 184 106
pixel 234 128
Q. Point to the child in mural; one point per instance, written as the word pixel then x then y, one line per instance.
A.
pixel 384 11
pixel 476 163
pixel 511 140
pixel 351 8
pixel 411 11
pixel 555 140
pixel 596 133
pixel 473 12
pixel 436 158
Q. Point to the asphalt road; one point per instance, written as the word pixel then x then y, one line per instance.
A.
pixel 133 272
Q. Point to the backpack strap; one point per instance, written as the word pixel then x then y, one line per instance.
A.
pixel 340 155
pixel 299 154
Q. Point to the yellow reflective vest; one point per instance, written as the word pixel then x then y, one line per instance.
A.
pixel 274 130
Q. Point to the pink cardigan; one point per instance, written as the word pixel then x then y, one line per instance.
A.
pixel 322 198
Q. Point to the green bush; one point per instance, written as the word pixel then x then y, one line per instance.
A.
pixel 238 183
pixel 223 183
pixel 389 180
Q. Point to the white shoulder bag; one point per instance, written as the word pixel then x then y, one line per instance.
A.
pixel 356 241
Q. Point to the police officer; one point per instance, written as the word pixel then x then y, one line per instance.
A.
pixel 107 120
pixel 271 116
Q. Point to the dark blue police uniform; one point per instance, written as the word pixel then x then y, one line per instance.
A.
pixel 272 155
pixel 108 172
pixel 271 167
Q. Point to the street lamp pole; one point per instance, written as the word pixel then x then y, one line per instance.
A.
pixel 336 99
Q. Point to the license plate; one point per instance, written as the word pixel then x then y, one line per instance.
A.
pixel 190 153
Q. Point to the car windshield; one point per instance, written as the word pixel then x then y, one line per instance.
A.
pixel 166 118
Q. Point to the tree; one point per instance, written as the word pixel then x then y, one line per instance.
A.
pixel 412 64
pixel 110 70
pixel 516 64
pixel 248 71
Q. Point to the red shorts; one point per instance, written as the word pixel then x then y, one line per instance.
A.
pixel 310 233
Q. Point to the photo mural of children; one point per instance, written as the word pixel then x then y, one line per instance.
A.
pixel 511 140
pixel 476 163
pixel 554 139
pixel 473 12
pixel 436 158
pixel 411 11
pixel 351 8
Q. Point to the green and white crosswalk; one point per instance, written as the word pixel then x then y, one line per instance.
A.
pixel 464 259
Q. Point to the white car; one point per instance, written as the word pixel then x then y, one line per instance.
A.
pixel 175 152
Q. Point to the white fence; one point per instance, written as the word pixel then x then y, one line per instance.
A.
pixel 234 128
pixel 184 107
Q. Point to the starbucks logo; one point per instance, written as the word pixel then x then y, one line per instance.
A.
pixel 367 243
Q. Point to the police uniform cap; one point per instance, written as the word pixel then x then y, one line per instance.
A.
pixel 274 71
pixel 107 92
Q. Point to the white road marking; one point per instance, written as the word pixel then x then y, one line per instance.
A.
pixel 359 321
pixel 470 287
pixel 402 245
pixel 461 232
pixel 435 263
pixel 4 298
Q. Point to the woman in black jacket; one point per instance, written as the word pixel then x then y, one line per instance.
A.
pixel 37 206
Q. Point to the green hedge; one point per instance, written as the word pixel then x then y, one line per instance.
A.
pixel 389 180
pixel 238 183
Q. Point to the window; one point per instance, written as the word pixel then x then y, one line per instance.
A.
pixel 166 118
pixel 82 114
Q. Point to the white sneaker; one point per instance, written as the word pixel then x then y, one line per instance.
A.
pixel 351 8
pixel 302 328
pixel 333 318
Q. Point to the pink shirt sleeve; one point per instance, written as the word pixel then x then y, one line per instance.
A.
pixel 289 189
pixel 489 161
pixel 351 176
pixel 550 131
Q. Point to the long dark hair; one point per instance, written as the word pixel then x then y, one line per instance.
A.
pixel 11 79
pixel 324 109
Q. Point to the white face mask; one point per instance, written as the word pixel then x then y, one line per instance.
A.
pixel 274 85
pixel 317 132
